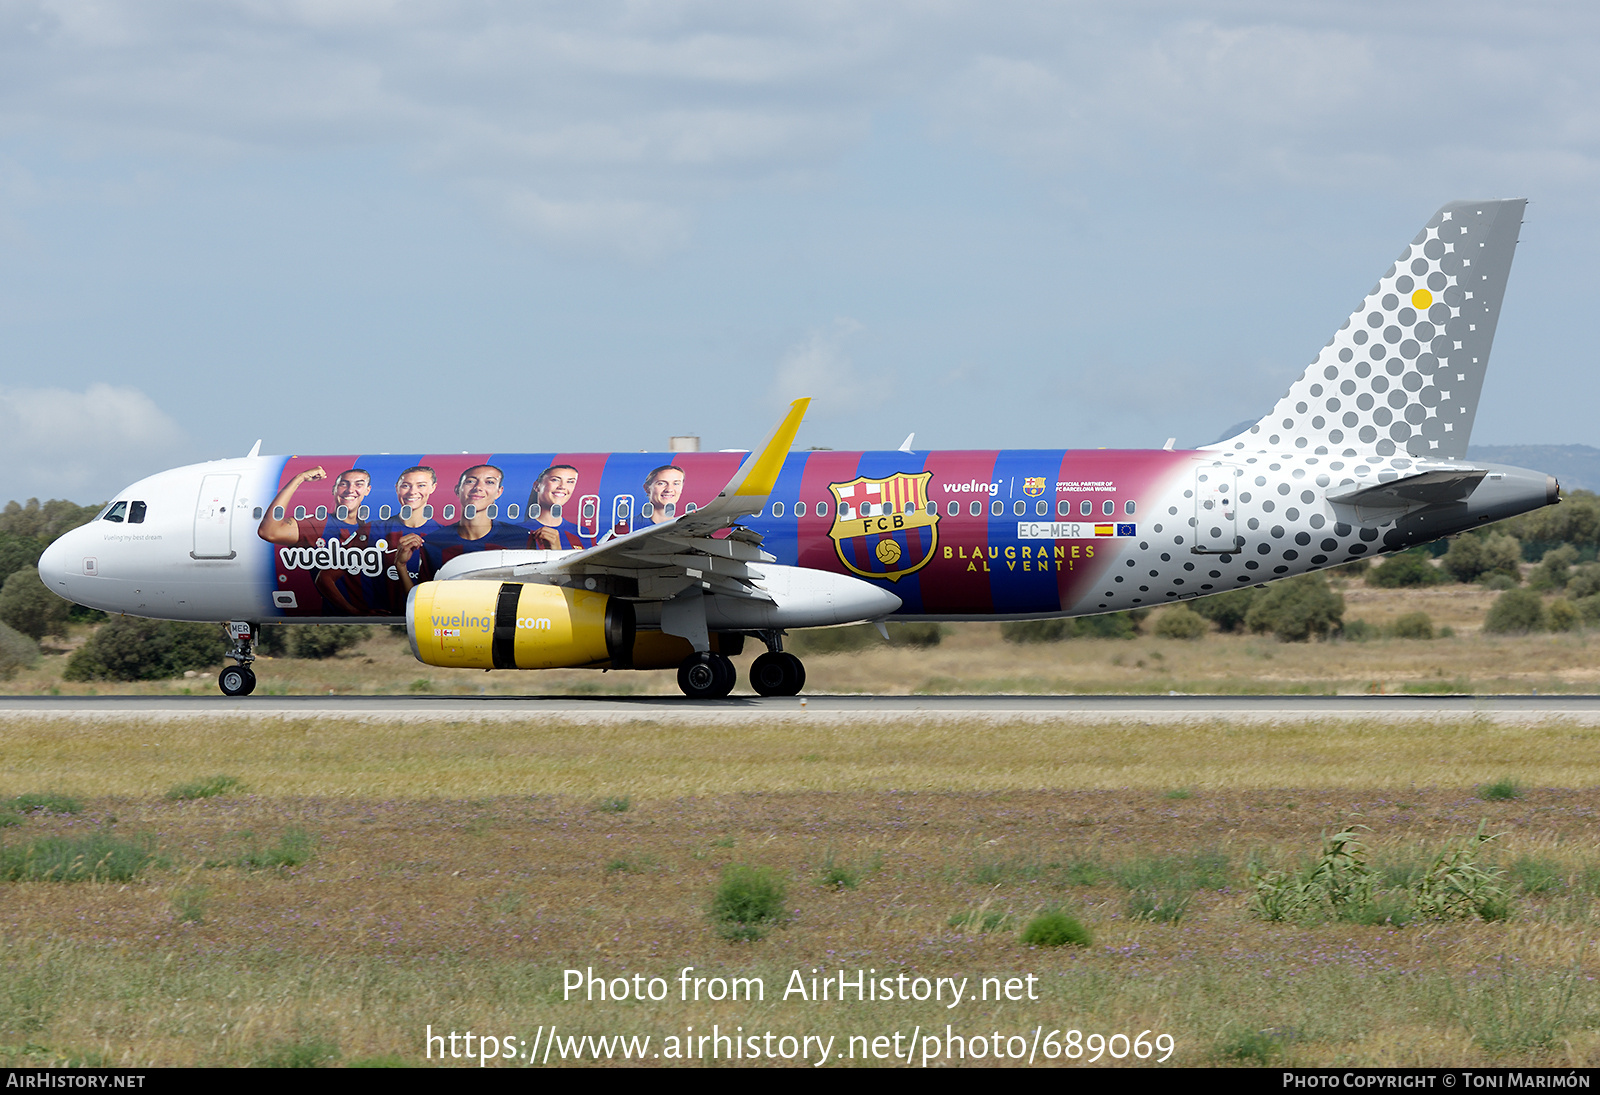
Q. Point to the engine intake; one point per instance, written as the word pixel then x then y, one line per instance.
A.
pixel 512 625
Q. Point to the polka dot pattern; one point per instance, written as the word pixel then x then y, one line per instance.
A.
pixel 1404 373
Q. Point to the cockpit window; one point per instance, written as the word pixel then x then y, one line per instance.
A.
pixel 136 512
pixel 116 512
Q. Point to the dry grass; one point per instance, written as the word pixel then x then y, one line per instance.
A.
pixel 421 759
pixel 972 659
pixel 462 914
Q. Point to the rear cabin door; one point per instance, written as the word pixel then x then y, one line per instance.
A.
pixel 1216 509
pixel 213 517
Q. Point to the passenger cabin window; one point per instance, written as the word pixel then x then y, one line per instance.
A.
pixel 469 511
pixel 534 509
pixel 383 513
pixel 669 510
pixel 976 509
pixel 1108 507
pixel 118 512
pixel 342 513
pixel 299 513
pixel 322 513
pixel 997 508
pixel 136 513
pixel 493 511
pixel 511 512
pixel 777 509
pixel 1086 508
pixel 1127 507
pixel 822 508
pixel 277 513
pixel 1043 508
pixel 449 513
pixel 363 513
pixel 1063 508
pixel 647 510
pixel 799 509
pixel 933 509
pixel 1020 508
pixel 953 509
pixel 427 513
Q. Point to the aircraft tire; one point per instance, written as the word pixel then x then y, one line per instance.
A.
pixel 707 676
pixel 775 674
pixel 236 680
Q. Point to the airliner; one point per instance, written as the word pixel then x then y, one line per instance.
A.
pixel 641 561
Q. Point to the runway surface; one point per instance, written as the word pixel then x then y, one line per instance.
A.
pixel 753 709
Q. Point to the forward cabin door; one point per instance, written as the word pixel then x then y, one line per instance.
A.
pixel 1216 508
pixel 213 517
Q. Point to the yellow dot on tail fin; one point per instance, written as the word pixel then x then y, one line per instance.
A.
pixel 1421 299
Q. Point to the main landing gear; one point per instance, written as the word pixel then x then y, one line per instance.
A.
pixel 238 680
pixel 712 676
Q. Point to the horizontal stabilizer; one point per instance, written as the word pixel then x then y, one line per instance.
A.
pixel 1426 488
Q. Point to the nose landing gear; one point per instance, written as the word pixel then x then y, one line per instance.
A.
pixel 239 680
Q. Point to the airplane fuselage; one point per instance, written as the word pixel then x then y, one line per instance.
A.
pixel 977 534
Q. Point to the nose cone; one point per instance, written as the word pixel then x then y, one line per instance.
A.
pixel 53 565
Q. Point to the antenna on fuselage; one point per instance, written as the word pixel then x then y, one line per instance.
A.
pixel 905 446
pixel 255 450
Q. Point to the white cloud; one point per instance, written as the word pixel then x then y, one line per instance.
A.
pixel 58 443
pixel 594 112
pixel 819 368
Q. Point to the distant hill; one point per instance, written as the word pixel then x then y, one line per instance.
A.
pixel 1576 466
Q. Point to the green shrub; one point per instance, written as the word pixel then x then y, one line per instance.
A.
pixel 294 849
pixel 17 651
pixel 1476 555
pixel 832 640
pixel 1055 929
pixel 1409 568
pixel 1227 610
pixel 1555 568
pixel 1359 631
pixel 1562 615
pixel 1161 906
pixel 96 857
pixel 982 920
pixel 1514 612
pixel 325 640
pixel 915 634
pixel 1456 886
pixel 48 802
pixel 1584 581
pixel 27 605
pixel 1501 790
pixel 1536 876
pixel 1295 609
pixel 127 648
pixel 1037 631
pixel 616 804
pixel 747 901
pixel 1413 625
pixel 1107 625
pixel 203 788
pixel 1178 622
pixel 307 1053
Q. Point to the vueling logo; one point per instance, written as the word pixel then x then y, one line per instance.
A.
pixel 884 528
pixel 331 554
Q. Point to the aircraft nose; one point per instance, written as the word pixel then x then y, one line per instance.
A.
pixel 54 567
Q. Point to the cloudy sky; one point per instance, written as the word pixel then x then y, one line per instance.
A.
pixel 356 225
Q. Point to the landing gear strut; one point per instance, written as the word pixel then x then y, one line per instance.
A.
pixel 706 676
pixel 238 680
pixel 777 673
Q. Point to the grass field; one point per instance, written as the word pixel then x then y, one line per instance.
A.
pixel 325 891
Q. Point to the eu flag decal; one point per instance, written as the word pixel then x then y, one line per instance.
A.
pixel 883 528
pixel 1127 530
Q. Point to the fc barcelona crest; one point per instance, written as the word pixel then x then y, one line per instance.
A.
pixel 884 528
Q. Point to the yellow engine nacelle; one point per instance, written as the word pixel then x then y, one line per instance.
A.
pixel 469 624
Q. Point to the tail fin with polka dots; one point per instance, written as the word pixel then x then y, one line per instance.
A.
pixel 1404 373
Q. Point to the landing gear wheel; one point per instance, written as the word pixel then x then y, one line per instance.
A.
pixel 777 674
pixel 236 680
pixel 707 676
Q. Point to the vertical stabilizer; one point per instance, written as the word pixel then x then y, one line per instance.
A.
pixel 1404 373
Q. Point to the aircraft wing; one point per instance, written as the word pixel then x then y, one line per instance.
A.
pixel 660 561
